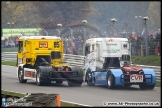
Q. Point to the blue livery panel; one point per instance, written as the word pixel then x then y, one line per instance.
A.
pixel 117 74
pixel 151 73
pixel 100 78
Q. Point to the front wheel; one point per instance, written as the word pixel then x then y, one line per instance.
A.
pixel 110 81
pixel 89 79
pixel 21 76
pixel 38 81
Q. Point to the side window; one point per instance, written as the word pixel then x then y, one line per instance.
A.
pixel 87 50
pixel 20 48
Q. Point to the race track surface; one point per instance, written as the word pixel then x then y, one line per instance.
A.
pixel 87 95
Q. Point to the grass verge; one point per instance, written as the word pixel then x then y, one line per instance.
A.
pixel 9 49
pixel 152 60
pixel 14 64
pixel 12 94
pixel 8 63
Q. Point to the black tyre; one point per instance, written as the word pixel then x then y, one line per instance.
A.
pixel 59 81
pixel 89 79
pixel 73 83
pixel 150 87
pixel 38 78
pixel 143 86
pixel 21 75
pixel 110 81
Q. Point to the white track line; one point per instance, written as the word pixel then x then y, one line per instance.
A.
pixel 60 100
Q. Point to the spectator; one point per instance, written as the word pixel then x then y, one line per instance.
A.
pixel 151 44
pixel 132 40
pixel 17 41
pixel 158 40
pixel 138 45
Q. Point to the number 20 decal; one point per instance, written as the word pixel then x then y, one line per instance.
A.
pixel 56 45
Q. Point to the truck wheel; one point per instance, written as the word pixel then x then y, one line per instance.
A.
pixel 150 87
pixel 143 86
pixel 110 81
pixel 72 83
pixel 89 79
pixel 59 81
pixel 38 81
pixel 21 75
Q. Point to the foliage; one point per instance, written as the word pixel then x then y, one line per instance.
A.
pixel 48 14
pixel 154 13
pixel 21 13
pixel 64 12
pixel 9 49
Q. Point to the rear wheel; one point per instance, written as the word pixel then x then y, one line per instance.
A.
pixel 143 86
pixel 59 81
pixel 150 87
pixel 110 81
pixel 21 75
pixel 73 83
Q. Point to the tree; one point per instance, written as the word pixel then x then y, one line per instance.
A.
pixel 22 13
pixel 65 12
pixel 154 14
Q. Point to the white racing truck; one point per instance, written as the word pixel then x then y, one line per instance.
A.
pixel 108 62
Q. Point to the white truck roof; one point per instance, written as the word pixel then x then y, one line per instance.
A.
pixel 105 39
pixel 39 37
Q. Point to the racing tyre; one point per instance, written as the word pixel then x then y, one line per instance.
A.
pixel 150 87
pixel 59 81
pixel 110 81
pixel 21 75
pixel 89 79
pixel 38 81
pixel 71 83
pixel 143 86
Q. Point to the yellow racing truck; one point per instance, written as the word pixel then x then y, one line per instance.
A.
pixel 40 58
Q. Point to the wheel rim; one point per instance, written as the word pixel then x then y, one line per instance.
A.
pixel 89 77
pixel 20 74
pixel 109 81
pixel 38 77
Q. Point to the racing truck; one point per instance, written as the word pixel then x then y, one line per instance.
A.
pixel 108 62
pixel 40 58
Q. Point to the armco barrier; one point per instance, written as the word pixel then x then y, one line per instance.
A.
pixel 74 60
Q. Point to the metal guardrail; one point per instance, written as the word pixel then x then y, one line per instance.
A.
pixel 75 60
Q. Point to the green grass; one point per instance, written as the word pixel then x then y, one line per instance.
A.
pixel 8 63
pixel 152 60
pixel 158 84
pixel 12 94
pixel 9 49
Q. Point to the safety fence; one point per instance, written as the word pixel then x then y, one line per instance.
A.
pixel 74 60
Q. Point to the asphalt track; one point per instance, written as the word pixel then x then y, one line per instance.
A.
pixel 87 95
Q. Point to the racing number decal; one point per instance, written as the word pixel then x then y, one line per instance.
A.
pixel 56 45
pixel 43 44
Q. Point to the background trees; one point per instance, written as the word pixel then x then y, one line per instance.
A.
pixel 48 14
